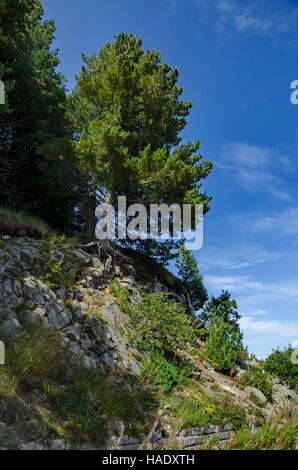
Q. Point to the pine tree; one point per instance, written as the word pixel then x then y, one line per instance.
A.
pixel 34 115
pixel 189 273
pixel 127 115
pixel 223 308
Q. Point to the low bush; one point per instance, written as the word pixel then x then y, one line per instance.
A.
pixel 194 409
pixel 271 436
pixel 163 373
pixel 222 345
pixel 121 292
pixel 160 324
pixel 160 372
pixel 280 363
pixel 256 376
pixel 91 404
pixel 49 267
pixel 35 356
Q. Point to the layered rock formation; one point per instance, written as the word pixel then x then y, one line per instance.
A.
pixel 75 299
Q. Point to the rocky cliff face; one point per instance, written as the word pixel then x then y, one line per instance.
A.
pixel 85 313
pixel 66 289
pixel 74 297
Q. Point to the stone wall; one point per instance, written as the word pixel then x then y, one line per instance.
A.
pixel 188 439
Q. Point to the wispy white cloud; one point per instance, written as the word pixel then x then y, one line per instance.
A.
pixel 265 19
pixel 275 327
pixel 258 17
pixel 232 283
pixel 257 313
pixel 226 6
pixel 241 256
pixel 249 292
pixel 255 167
pixel 247 19
pixel 282 289
pixel 282 223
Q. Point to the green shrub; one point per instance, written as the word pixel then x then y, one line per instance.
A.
pixel 256 376
pixel 37 355
pixel 91 403
pixel 222 345
pixel 193 409
pixel 225 309
pixel 160 372
pixel 160 324
pixel 280 363
pixel 50 269
pixel 194 352
pixel 121 292
pixel 68 399
pixel 272 436
pixel 163 373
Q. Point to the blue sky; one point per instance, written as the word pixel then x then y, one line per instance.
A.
pixel 236 60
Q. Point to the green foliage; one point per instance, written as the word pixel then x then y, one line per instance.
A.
pixel 225 309
pixel 128 113
pixel 193 409
pixel 35 356
pixel 121 292
pixel 49 267
pixel 280 363
pixel 160 324
pixel 222 345
pixel 221 307
pixel 194 352
pixel 32 117
pixel 17 223
pixel 256 376
pixel 164 373
pixel 91 403
pixel 160 372
pixel 189 273
pixel 81 404
pixel 272 436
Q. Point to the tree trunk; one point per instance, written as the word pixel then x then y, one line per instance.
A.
pixel 90 215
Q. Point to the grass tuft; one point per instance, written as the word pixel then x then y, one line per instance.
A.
pixel 15 223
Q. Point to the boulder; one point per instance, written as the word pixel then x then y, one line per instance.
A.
pixel 59 319
pixel 282 394
pixel 27 256
pixel 256 393
pixel 74 331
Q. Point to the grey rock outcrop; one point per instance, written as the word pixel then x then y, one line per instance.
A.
pixel 257 393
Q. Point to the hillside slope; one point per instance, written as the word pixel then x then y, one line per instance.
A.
pixel 76 377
